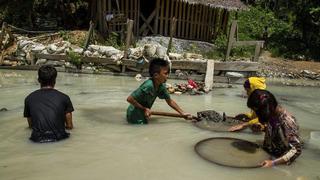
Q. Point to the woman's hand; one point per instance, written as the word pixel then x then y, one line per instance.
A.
pixel 237 127
pixel 241 117
pixel 267 163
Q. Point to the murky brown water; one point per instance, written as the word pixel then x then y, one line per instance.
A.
pixel 104 146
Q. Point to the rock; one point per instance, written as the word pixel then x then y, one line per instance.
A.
pixel 93 48
pixel 171 90
pixel 78 50
pixel 234 74
pixel 3 109
pixel 51 48
pixel 135 53
pixel 117 56
pixel 149 50
pixel 29 57
pixel 38 48
pixel 109 51
pixel 161 52
pixel 87 53
pixel 192 56
pixel 23 43
pixel 96 54
pixel 54 63
pixel 21 54
pixel 175 56
pixel 41 61
pixel 44 51
pixel 306 72
pixel 138 77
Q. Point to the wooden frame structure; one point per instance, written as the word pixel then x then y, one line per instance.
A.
pixel 195 19
pixel 233 41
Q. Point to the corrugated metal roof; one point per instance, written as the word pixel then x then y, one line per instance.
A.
pixel 225 4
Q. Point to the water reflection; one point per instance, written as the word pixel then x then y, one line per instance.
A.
pixel 103 144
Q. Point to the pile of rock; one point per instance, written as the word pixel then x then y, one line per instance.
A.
pixel 282 73
pixel 191 88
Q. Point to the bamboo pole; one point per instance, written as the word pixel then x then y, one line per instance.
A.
pixel 172 32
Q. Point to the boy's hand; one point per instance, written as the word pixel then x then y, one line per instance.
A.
pixel 147 113
pixel 187 116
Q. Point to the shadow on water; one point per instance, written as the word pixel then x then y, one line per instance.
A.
pixel 112 115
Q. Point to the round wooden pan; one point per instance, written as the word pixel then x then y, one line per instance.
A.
pixel 231 152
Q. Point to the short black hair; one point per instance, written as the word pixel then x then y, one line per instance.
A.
pixel 47 75
pixel 263 103
pixel 246 84
pixel 156 64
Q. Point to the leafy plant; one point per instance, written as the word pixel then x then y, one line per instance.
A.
pixel 115 41
pixel 75 59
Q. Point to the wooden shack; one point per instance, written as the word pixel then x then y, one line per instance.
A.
pixel 195 19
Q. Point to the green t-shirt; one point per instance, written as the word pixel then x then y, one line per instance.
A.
pixel 145 95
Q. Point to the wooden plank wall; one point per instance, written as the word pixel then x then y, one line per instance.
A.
pixel 130 9
pixel 194 21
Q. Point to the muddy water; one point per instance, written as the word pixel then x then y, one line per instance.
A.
pixel 104 146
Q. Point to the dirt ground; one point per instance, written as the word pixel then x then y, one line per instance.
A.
pixel 287 66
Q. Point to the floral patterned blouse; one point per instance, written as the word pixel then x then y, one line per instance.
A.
pixel 282 137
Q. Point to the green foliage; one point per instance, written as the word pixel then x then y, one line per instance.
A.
pixel 75 59
pixel 194 48
pixel 293 27
pixel 219 51
pixel 75 40
pixel 115 41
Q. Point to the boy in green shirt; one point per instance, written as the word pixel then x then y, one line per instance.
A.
pixel 142 99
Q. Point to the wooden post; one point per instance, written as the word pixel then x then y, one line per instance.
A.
pixel 172 32
pixel 259 45
pixel 128 41
pixel 99 16
pixel 103 17
pixel 208 81
pixel 3 33
pixel 88 37
pixel 156 20
pixel 231 39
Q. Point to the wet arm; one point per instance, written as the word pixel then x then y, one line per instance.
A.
pixel 135 103
pixel 293 153
pixel 69 124
pixel 29 122
pixel 295 146
pixel 239 127
pixel 287 158
pixel 290 129
pixel 174 106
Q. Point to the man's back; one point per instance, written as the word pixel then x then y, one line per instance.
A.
pixel 47 108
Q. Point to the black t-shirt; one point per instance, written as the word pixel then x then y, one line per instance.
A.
pixel 47 109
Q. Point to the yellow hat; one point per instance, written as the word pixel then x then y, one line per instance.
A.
pixel 254 83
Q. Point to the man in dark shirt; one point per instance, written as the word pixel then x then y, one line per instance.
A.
pixel 49 111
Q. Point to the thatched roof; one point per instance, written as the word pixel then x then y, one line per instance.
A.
pixel 225 4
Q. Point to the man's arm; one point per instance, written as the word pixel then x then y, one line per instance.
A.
pixel 69 124
pixel 29 122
